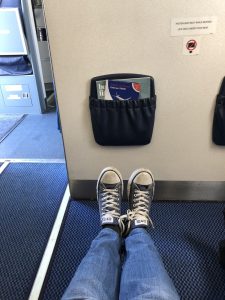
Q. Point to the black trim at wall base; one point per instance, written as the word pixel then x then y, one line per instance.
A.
pixel 165 190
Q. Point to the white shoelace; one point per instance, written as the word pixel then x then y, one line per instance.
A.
pixel 109 202
pixel 110 198
pixel 140 208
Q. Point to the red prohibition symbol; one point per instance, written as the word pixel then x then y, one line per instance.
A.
pixel 191 45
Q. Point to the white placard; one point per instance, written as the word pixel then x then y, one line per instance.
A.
pixel 193 26
pixel 191 45
pixel 13 88
pixel 13 97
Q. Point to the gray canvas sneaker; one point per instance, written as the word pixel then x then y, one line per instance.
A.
pixel 140 191
pixel 109 196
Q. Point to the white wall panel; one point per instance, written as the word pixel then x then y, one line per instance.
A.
pixel 90 38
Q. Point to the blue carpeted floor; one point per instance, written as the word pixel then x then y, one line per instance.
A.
pixel 36 137
pixel 186 234
pixel 30 196
pixel 8 123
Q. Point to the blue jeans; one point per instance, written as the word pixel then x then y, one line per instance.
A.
pixel 101 277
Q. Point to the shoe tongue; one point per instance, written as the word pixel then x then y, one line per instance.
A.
pixel 110 185
pixel 142 187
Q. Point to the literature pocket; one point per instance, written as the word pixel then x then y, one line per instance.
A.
pixel 219 121
pixel 118 123
pixel 218 130
pixel 122 122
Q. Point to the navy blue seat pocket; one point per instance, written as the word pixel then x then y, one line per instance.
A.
pixel 122 123
pixel 218 128
pixel 218 134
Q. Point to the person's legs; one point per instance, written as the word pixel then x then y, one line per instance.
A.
pixel 97 277
pixel 143 274
pixel 98 274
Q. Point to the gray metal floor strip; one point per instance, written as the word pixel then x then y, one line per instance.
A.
pixel 4 166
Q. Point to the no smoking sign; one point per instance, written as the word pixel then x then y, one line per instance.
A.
pixel 191 46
